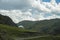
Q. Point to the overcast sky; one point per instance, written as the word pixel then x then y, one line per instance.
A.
pixel 19 10
pixel 18 4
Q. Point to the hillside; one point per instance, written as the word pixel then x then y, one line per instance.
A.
pixel 10 33
pixel 45 26
pixel 14 33
pixel 6 20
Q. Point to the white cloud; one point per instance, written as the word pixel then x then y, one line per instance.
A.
pixel 32 10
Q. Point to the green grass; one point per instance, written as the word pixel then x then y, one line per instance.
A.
pixel 46 38
pixel 9 32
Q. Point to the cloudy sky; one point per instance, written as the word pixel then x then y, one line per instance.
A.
pixel 19 10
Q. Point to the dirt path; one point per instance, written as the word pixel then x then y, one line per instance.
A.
pixel 29 37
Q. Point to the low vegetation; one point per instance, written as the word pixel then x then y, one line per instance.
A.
pixel 9 32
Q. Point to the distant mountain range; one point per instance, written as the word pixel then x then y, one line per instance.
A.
pixel 44 26
pixel 6 20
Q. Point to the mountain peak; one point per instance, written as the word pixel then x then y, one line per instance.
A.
pixel 6 20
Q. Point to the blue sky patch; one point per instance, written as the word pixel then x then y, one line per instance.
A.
pixel 50 0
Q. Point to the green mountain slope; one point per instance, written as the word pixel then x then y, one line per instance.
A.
pixel 45 26
pixel 11 33
pixel 6 20
pixel 14 33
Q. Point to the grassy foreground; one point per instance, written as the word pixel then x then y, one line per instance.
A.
pixel 14 33
pixel 46 38
pixel 9 32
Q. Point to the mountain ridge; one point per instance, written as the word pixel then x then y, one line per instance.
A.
pixel 44 26
pixel 6 20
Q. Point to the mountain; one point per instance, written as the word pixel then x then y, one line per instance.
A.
pixel 45 26
pixel 6 20
pixel 26 23
pixel 56 28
